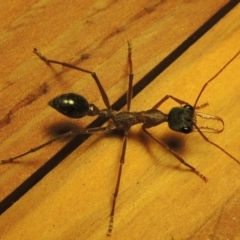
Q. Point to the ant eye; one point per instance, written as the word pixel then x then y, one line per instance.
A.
pixel 71 105
pixel 186 130
pixel 188 107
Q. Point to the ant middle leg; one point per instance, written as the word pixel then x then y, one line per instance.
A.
pixel 122 159
pixel 125 138
pixel 131 75
pixel 93 74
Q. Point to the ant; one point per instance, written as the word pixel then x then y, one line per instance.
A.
pixel 180 119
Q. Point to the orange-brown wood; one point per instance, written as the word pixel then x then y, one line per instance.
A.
pixel 158 198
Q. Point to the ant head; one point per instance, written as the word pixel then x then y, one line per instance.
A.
pixel 71 105
pixel 181 119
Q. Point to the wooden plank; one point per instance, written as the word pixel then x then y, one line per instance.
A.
pixel 158 199
pixel 33 84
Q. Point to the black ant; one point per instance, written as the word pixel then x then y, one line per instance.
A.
pixel 180 119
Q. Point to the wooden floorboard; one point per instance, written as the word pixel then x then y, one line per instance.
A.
pixel 158 198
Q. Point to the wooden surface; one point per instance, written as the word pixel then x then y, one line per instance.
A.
pixel 158 198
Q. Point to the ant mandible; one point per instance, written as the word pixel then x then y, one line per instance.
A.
pixel 180 119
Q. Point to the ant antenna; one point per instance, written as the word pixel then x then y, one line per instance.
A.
pixel 212 78
pixel 216 118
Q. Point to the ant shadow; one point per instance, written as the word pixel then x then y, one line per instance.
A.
pixel 174 141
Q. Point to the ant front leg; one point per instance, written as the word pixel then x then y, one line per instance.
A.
pixel 175 155
pixel 93 74
pixel 180 119
pixel 158 104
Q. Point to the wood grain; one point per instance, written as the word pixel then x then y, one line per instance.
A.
pixel 159 198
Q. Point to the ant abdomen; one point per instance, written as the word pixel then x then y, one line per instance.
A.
pixel 71 105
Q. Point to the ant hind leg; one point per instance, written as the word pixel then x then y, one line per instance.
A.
pixel 64 135
pixel 93 74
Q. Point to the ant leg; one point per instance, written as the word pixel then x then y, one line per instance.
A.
pixel 93 74
pixel 64 135
pixel 181 102
pixel 110 227
pixel 129 99
pixel 131 75
pixel 158 104
pixel 203 88
pixel 175 155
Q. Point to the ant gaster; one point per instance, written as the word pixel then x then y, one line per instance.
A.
pixel 180 119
